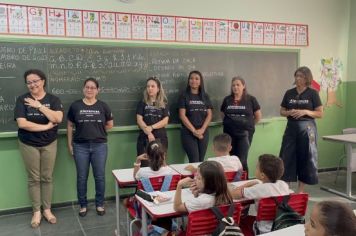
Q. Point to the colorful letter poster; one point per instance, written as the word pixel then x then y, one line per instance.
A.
pixel 17 19
pixel 138 23
pixel 3 19
pixel 123 26
pixel 302 35
pixel 280 35
pixel 222 30
pixel 168 28
pixel 91 24
pixel 107 25
pixel 234 32
pixel 291 34
pixel 196 30
pixel 37 20
pixel 209 31
pixel 74 23
pixel 269 30
pixel 257 33
pixel 154 27
pixel 246 32
pixel 182 29
pixel 55 18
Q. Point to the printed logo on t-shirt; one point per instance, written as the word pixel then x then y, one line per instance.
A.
pixel 299 102
pixel 36 112
pixel 235 107
pixel 88 115
pixel 196 102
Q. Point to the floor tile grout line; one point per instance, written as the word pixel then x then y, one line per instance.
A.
pixel 77 217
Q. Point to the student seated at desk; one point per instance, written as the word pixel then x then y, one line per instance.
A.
pixel 331 218
pixel 269 170
pixel 211 185
pixel 156 157
pixel 221 148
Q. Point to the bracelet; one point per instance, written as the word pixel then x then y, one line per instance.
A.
pixel 152 127
pixel 137 164
pixel 39 106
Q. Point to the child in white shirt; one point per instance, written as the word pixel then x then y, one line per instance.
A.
pixel 156 157
pixel 269 170
pixel 221 148
pixel 211 184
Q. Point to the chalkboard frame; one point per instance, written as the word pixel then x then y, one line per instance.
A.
pixel 109 43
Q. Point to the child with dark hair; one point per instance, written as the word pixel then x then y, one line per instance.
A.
pixel 156 157
pixel 331 218
pixel 212 186
pixel 269 170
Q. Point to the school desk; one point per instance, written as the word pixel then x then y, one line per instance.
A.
pixel 180 168
pixel 348 140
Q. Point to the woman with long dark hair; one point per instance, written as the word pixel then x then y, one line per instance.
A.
pixel 195 112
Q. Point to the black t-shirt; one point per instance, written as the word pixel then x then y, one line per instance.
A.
pixel 239 117
pixel 309 99
pixel 89 121
pixel 196 108
pixel 37 139
pixel 151 115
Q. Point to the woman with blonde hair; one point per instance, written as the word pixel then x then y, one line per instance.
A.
pixel 152 116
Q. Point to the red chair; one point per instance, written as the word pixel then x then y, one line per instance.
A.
pixel 204 222
pixel 156 183
pixel 267 210
pixel 230 175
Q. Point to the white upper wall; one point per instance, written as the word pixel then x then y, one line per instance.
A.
pixel 328 20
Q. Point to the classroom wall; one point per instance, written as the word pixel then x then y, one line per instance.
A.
pixel 329 26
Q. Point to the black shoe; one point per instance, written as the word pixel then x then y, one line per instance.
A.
pixel 100 211
pixel 83 212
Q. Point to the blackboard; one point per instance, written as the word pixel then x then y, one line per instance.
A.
pixel 123 69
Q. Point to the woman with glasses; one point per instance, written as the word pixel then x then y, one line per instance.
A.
pixel 301 105
pixel 195 112
pixel 152 117
pixel 91 119
pixel 38 114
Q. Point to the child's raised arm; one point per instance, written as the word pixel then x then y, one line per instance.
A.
pixel 178 205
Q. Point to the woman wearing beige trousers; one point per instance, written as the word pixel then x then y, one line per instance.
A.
pixel 37 114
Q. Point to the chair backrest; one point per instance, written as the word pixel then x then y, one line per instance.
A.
pixel 157 182
pixel 353 158
pixel 230 176
pixel 267 206
pixel 204 222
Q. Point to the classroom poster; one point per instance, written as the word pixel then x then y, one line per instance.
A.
pixel 209 31
pixel 302 35
pixel 257 33
pixel 123 26
pixel 196 30
pixel 37 20
pixel 182 29
pixel 45 21
pixel 246 32
pixel 3 19
pixel 268 34
pixel 280 34
pixel 107 25
pixel 234 32
pixel 91 24
pixel 222 30
pixel 154 27
pixel 138 27
pixel 74 23
pixel 17 19
pixel 56 25
pixel 291 34
pixel 168 28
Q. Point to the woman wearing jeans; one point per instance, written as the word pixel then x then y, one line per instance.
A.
pixel 88 144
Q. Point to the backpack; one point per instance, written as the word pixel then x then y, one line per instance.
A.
pixel 226 224
pixel 285 215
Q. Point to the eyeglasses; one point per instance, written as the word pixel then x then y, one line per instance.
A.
pixel 90 88
pixel 33 82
